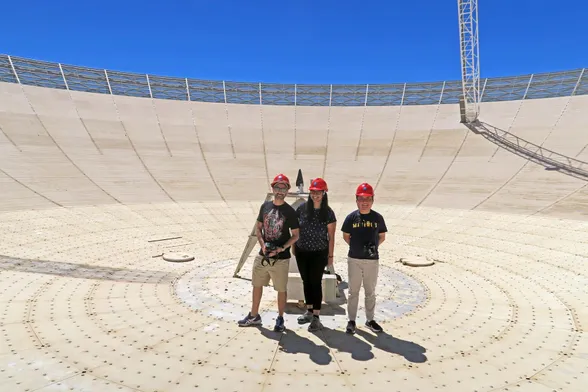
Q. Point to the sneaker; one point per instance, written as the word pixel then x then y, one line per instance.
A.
pixel 279 327
pixel 250 320
pixel 315 324
pixel 350 327
pixel 373 326
pixel 305 318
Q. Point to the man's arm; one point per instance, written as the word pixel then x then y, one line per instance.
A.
pixel 347 238
pixel 383 229
pixel 292 222
pixel 258 233
pixel 346 228
pixel 299 211
pixel 293 239
pixel 290 242
pixel 381 238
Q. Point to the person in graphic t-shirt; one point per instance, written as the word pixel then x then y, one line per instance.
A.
pixel 277 226
pixel 314 249
pixel 364 230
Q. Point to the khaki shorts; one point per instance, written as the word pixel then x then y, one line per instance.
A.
pixel 278 273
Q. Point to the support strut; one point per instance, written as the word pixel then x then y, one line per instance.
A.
pixel 470 59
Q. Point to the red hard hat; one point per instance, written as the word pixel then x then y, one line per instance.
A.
pixel 318 184
pixel 364 189
pixel 281 179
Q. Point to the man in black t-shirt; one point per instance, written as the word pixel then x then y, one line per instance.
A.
pixel 364 230
pixel 277 230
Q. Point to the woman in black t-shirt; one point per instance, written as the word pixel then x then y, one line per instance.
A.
pixel 314 248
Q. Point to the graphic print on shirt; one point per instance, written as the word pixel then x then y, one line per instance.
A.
pixel 360 223
pixel 273 223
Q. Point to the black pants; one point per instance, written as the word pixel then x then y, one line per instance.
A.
pixel 312 266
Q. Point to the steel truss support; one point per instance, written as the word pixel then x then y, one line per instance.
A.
pixel 470 59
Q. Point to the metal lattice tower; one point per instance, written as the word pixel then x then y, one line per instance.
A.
pixel 470 59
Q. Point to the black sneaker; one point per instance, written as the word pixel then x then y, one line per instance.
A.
pixel 373 326
pixel 350 327
pixel 315 324
pixel 279 327
pixel 305 318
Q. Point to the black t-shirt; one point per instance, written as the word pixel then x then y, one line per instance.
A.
pixel 364 230
pixel 276 224
pixel 314 235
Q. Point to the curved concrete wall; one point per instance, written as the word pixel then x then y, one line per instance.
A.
pixel 67 148
pixel 95 189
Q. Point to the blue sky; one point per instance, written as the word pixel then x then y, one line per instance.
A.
pixel 300 41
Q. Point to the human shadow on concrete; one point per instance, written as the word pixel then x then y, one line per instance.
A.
pixel 85 271
pixel 411 351
pixel 344 342
pixel 340 341
pixel 290 342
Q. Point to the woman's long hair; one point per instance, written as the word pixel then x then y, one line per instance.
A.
pixel 324 209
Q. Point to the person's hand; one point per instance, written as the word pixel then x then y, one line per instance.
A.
pixel 277 251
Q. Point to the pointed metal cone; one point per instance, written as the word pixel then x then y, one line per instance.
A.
pixel 299 180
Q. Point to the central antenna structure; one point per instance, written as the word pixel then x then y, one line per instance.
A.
pixel 470 60
pixel 300 182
